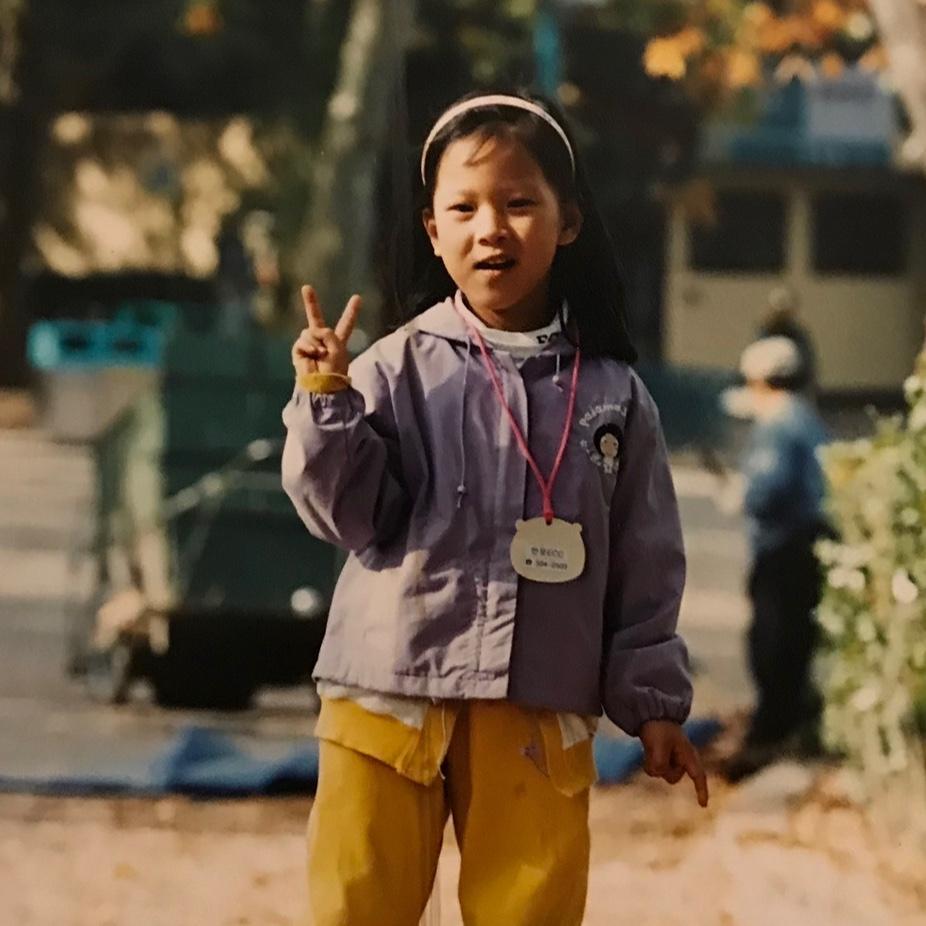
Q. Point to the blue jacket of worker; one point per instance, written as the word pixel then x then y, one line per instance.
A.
pixel 784 480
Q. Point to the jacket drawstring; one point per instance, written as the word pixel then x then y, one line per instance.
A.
pixel 556 381
pixel 461 488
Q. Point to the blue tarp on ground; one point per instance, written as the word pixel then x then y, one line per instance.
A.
pixel 207 763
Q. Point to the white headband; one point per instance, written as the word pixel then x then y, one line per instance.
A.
pixel 497 99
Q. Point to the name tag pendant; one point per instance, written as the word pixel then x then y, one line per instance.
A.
pixel 551 552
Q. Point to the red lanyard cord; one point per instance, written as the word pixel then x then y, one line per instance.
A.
pixel 546 485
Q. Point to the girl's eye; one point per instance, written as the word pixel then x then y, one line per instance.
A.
pixel 461 207
pixel 522 203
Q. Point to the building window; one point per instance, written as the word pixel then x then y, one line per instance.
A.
pixel 859 234
pixel 748 236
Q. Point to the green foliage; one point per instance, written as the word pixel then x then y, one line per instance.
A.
pixel 470 43
pixel 663 17
pixel 873 610
pixel 138 55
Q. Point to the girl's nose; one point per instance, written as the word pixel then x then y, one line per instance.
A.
pixel 492 227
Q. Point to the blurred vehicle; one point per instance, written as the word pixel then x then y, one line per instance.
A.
pixel 206 582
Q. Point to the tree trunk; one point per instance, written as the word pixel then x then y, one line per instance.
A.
pixel 902 24
pixel 24 126
pixel 334 251
pixel 10 12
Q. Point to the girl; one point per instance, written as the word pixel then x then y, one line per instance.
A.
pixel 503 585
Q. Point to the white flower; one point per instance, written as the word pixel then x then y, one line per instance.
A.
pixel 897 760
pixel 832 622
pixel 909 517
pixel 865 629
pixel 912 384
pixel 855 580
pixel 903 588
pixel 889 458
pixel 839 676
pixel 865 698
pixel 852 579
pixel 837 577
pixel 898 705
pixel 917 419
pixel 873 508
pixel 856 556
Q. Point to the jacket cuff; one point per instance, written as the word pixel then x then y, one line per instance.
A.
pixel 632 711
pixel 324 408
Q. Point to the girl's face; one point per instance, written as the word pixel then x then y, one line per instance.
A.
pixel 609 446
pixel 496 223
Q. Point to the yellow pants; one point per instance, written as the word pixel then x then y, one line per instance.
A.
pixel 518 798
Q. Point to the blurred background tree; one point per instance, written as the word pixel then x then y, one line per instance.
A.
pixel 333 246
pixel 719 47
pixel 192 58
pixel 319 77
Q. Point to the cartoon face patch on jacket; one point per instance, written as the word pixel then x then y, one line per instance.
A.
pixel 601 435
pixel 607 441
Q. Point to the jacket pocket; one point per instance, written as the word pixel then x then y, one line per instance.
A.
pixel 571 769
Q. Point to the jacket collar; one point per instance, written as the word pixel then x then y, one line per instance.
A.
pixel 442 320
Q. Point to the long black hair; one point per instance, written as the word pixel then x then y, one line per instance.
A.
pixel 584 273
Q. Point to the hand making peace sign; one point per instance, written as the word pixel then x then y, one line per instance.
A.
pixel 320 349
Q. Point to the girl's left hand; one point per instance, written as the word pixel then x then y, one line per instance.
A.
pixel 668 754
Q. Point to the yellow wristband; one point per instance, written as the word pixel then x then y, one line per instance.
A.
pixel 324 382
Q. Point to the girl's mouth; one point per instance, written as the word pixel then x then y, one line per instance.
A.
pixel 496 264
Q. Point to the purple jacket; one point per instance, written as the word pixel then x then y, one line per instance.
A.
pixel 415 471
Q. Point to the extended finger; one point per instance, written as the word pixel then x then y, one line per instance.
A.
pixel 345 325
pixel 313 310
pixel 693 767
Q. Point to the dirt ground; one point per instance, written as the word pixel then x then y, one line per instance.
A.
pixel 658 860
